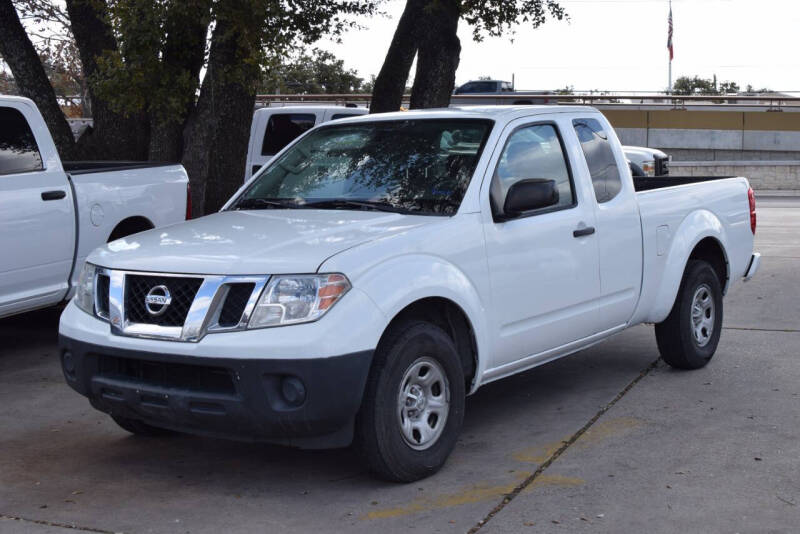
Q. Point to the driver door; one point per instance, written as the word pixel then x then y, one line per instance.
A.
pixel 543 265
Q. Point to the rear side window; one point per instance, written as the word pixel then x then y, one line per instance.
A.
pixel 533 152
pixel 283 128
pixel 599 158
pixel 343 115
pixel 18 150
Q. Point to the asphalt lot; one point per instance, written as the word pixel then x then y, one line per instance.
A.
pixel 608 440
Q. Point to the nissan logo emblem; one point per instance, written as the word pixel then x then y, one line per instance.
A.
pixel 157 300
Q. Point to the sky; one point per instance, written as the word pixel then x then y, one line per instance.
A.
pixel 618 45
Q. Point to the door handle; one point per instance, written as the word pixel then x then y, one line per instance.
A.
pixel 580 232
pixel 53 195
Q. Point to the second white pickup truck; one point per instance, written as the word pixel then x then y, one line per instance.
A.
pixel 54 213
pixel 379 269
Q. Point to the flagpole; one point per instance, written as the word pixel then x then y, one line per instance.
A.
pixel 669 90
pixel 669 84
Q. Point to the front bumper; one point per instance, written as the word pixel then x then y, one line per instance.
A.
pixel 308 402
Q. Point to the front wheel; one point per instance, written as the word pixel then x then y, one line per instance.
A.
pixel 413 405
pixel 688 337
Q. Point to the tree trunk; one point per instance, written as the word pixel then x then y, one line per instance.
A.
pixel 186 28
pixel 438 56
pixel 217 133
pixel 387 93
pixel 31 79
pixel 113 135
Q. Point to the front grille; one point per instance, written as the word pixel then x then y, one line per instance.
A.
pixel 235 303
pixel 199 378
pixel 182 291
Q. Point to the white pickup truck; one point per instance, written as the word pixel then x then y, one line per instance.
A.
pixel 381 268
pixel 54 213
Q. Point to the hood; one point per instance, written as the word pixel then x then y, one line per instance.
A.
pixel 253 242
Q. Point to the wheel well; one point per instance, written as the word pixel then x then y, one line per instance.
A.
pixel 129 226
pixel 710 250
pixel 448 316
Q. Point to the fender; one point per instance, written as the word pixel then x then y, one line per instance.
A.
pixel 423 276
pixel 697 226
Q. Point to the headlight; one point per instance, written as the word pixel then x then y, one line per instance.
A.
pixel 297 299
pixel 84 293
pixel 649 168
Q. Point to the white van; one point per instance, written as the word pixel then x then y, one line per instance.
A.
pixel 275 127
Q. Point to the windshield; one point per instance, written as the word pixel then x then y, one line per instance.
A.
pixel 411 166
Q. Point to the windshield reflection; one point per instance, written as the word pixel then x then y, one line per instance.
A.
pixel 414 166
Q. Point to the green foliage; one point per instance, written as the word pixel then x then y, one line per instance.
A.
pixel 495 17
pixel 132 78
pixel 728 88
pixel 696 85
pixel 312 73
pixel 703 86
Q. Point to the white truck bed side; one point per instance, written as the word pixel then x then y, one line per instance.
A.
pixel 105 198
pixel 674 220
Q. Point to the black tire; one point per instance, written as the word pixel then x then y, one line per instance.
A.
pixel 378 429
pixel 675 336
pixel 140 428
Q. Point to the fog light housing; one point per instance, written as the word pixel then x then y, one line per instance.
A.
pixel 293 391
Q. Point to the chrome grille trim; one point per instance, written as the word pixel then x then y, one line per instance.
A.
pixel 203 315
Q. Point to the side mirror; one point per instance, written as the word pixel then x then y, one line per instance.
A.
pixel 529 194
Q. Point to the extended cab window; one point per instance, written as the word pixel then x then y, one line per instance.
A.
pixel 18 150
pixel 413 166
pixel 283 128
pixel 599 157
pixel 533 152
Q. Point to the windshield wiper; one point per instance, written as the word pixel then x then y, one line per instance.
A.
pixel 362 204
pixel 268 203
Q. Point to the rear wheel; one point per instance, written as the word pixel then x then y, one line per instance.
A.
pixel 140 428
pixel 413 405
pixel 688 337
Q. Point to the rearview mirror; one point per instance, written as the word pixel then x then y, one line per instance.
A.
pixel 529 194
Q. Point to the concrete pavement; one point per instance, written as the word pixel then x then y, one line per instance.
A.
pixel 608 440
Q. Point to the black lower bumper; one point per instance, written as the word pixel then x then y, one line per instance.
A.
pixel 308 403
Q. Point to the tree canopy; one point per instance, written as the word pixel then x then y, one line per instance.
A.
pixel 428 30
pixel 314 72
pixel 142 62
pixel 695 85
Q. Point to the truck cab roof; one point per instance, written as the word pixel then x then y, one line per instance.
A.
pixel 506 113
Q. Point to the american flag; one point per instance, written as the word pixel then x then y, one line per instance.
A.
pixel 669 34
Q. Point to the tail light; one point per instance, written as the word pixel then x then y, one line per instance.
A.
pixel 188 201
pixel 751 197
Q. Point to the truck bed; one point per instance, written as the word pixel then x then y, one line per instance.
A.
pixel 670 208
pixel 647 183
pixel 86 167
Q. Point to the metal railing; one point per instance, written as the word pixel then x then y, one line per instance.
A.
pixel 767 101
